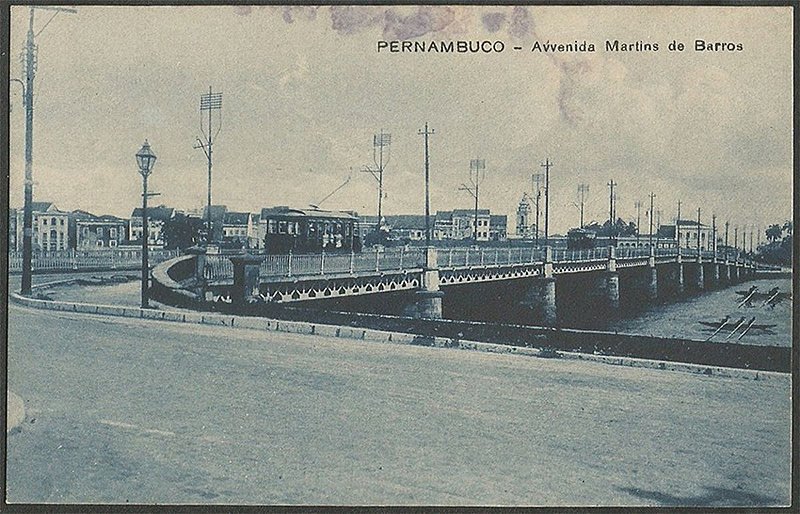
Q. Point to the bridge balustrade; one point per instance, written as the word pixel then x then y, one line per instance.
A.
pixel 632 252
pixel 219 267
pixel 587 255
pixel 87 259
pixel 471 256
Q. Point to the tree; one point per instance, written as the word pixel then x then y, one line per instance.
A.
pixel 182 231
pixel 774 233
pixel 619 229
pixel 778 250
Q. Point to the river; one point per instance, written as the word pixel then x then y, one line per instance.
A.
pixel 680 319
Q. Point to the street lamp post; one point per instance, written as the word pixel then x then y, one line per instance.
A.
pixel 145 158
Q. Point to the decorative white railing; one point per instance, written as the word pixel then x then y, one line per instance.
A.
pixel 94 260
pixel 308 266
pixel 475 257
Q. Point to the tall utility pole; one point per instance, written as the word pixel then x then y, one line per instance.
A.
pixel 611 185
pixel 698 231
pixel 736 238
pixel 547 164
pixel 638 205
pixel 652 198
pixel 31 61
pixel 751 238
pixel 379 141
pixel 678 225
pixel 744 239
pixel 477 172
pixel 427 133
pixel 727 225
pixel 537 178
pixel 714 233
pixel 210 102
pixel 583 189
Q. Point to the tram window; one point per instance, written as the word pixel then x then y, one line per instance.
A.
pixel 272 226
pixel 282 227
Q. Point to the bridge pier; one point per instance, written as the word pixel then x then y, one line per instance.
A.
pixel 199 286
pixel 698 279
pixel 246 278
pixel 541 295
pixel 428 299
pixel 652 286
pixel 715 275
pixel 612 281
pixel 681 279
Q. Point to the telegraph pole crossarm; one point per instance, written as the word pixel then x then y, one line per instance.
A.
pixel 379 141
pixel 209 102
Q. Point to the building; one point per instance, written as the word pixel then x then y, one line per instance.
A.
pixel 156 217
pixel 445 225
pixel 217 221
pixel 406 227
pixel 50 228
pixel 686 236
pixel 97 232
pixel 463 223
pixel 12 229
pixel 498 227
pixel 239 229
pixel 525 225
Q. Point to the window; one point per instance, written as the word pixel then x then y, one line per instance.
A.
pixel 62 222
pixel 99 242
pixel 112 232
pixel 272 227
pixel 112 243
pixel 85 231
pixel 99 231
pixel 281 227
pixel 44 221
pixel 52 221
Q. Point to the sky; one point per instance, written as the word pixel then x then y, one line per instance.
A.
pixel 304 90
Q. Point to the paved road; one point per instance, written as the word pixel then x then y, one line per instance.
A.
pixel 126 410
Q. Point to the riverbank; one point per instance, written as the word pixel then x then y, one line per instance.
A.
pixel 600 343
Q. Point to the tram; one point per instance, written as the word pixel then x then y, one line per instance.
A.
pixel 286 230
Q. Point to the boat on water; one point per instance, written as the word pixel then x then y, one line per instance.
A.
pixel 714 325
pixel 770 298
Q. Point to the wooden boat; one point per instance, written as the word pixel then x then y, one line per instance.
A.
pixel 713 325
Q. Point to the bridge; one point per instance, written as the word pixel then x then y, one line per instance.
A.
pixel 431 272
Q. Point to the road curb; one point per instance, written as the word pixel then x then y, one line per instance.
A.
pixel 15 411
pixel 380 336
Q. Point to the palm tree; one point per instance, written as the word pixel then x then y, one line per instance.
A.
pixel 774 232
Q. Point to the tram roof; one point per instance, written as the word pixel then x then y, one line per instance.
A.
pixel 304 213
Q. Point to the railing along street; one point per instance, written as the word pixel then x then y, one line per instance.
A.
pixel 88 259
